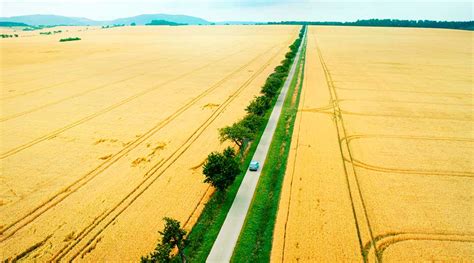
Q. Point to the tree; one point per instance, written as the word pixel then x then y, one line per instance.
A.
pixel 252 122
pixel 173 237
pixel 272 85
pixel 133 24
pixel 258 106
pixel 161 254
pixel 221 169
pixel 237 133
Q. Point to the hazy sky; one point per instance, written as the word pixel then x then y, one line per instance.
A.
pixel 247 10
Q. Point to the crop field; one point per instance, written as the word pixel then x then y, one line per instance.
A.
pixel 103 137
pixel 381 166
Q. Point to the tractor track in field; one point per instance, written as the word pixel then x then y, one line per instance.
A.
pixel 73 96
pixel 67 66
pixel 62 82
pixel 76 185
pixel 349 169
pixel 463 95
pixel 28 72
pixel 367 166
pixel 388 239
pixel 151 176
pixel 87 77
pixel 372 167
pixel 297 145
pixel 201 202
pixel 408 102
pixel 103 111
pixel 408 116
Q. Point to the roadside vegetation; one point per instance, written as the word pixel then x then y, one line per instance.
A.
pixel 172 244
pixel 225 171
pixel 69 39
pixel 255 241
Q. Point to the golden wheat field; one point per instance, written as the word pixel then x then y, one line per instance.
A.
pixel 103 137
pixel 381 165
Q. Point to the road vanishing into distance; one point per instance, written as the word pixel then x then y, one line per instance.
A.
pixel 223 247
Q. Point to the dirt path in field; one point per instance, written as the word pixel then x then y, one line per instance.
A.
pixel 229 233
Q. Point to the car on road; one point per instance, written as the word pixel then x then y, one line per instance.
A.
pixel 254 166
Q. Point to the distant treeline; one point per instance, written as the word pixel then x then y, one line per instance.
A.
pixel 164 23
pixel 11 24
pixel 465 25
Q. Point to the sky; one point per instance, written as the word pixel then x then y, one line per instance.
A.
pixel 247 10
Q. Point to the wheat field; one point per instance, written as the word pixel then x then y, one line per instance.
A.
pixel 103 137
pixel 381 165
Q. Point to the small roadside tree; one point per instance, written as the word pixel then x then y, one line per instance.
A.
pixel 237 133
pixel 221 169
pixel 173 237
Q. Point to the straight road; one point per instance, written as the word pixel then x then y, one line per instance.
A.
pixel 223 247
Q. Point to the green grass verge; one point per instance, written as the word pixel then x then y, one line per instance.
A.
pixel 255 240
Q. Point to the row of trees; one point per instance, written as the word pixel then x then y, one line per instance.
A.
pixel 221 169
pixel 467 25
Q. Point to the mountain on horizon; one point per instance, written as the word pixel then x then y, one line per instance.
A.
pixel 52 20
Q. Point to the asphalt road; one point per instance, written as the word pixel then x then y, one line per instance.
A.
pixel 228 235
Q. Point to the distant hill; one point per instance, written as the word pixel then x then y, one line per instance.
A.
pixel 236 23
pixel 164 23
pixel 11 24
pixel 145 19
pixel 51 20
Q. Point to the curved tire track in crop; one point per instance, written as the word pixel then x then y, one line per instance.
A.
pixel 350 171
pixel 373 167
pixel 388 239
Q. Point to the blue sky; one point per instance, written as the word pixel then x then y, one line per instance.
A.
pixel 247 10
